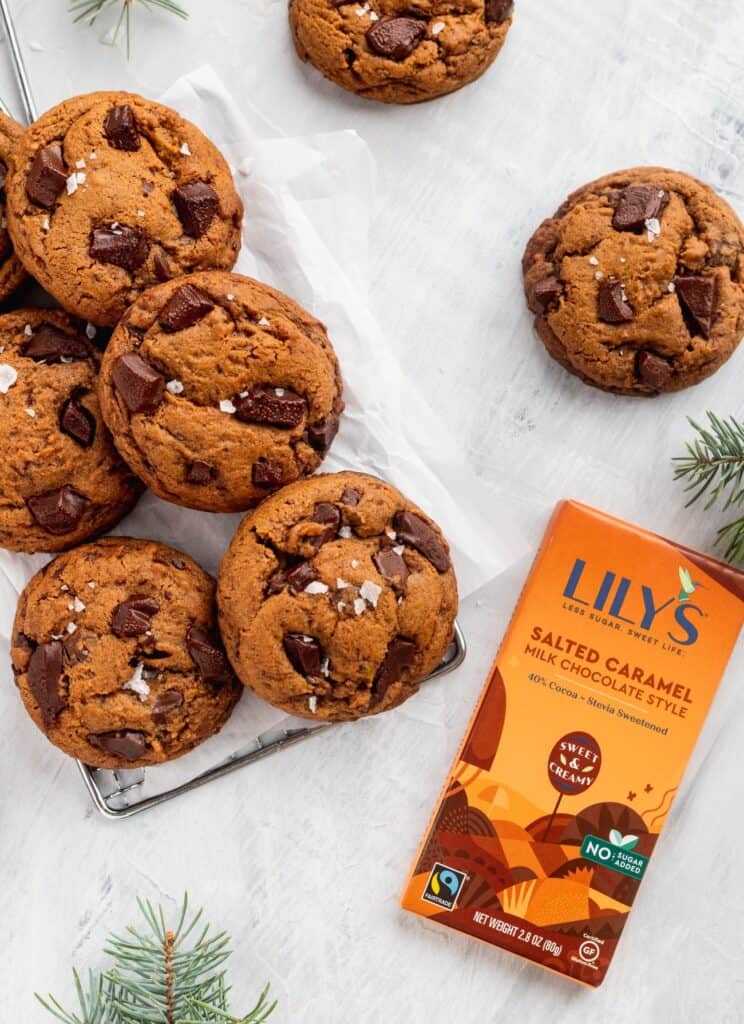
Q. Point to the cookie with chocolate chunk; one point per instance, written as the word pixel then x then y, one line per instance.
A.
pixel 400 52
pixel 116 656
pixel 219 389
pixel 61 478
pixel 637 282
pixel 110 193
pixel 11 268
pixel 336 598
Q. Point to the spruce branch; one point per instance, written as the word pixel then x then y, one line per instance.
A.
pixel 161 976
pixel 89 10
pixel 714 468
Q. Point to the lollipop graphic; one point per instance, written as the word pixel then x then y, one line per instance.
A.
pixel 573 767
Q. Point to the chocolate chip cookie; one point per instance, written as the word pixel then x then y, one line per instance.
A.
pixel 219 389
pixel 116 657
pixel 637 282
pixel 110 193
pixel 61 478
pixel 400 52
pixel 336 598
pixel 11 268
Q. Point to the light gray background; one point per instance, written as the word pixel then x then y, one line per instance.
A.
pixel 303 858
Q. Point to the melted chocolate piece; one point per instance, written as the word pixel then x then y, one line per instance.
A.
pixel 304 652
pixel 637 204
pixel 47 178
pixel 165 702
pixel 140 386
pixel 59 511
pixel 498 11
pixel 655 371
pixel 401 655
pixel 186 306
pixel 392 566
pixel 125 743
pixel 120 246
pixel 295 579
pixel 132 617
pixel 266 473
pixel 200 472
pixel 161 267
pixel 320 435
pixel 350 497
pixel 612 306
pixel 264 405
pixel 697 297
pixel 545 294
pixel 196 205
pixel 49 344
pixel 395 37
pixel 44 672
pixel 77 422
pixel 414 531
pixel 121 128
pixel 208 657
pixel 329 516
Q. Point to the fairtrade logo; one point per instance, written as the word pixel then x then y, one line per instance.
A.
pixel 444 886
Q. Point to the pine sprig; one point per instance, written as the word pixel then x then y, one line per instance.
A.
pixel 714 468
pixel 89 10
pixel 161 976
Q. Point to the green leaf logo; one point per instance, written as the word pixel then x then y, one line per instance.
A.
pixel 628 842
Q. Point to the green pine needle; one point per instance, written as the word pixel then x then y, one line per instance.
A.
pixel 714 468
pixel 89 10
pixel 161 976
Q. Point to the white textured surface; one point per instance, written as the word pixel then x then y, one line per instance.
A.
pixel 303 857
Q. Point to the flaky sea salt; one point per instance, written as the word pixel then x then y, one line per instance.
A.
pixel 354 563
pixel 345 532
pixel 80 164
pixel 185 149
pixel 312 703
pixel 175 387
pixel 90 331
pixel 437 27
pixel 671 287
pixel 263 322
pixel 594 261
pixel 370 592
pixel 45 224
pixel 230 297
pixel 71 627
pixel 391 534
pixel 359 605
pixel 28 330
pixel 78 606
pixel 137 683
pixel 227 406
pixel 92 584
pixel 598 275
pixel 653 227
pixel 30 412
pixel 342 584
pixel 8 377
pixel 316 587
pixel 399 549
pixel 325 667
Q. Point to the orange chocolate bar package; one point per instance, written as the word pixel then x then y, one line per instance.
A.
pixel 579 742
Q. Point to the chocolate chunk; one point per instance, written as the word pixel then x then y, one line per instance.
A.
pixel 320 435
pixel 121 246
pixel 121 128
pixel 295 579
pixel 178 563
pixel 165 702
pixel 58 511
pixel 612 306
pixel 44 671
pixel 329 516
pixel 414 531
pixel 395 38
pixel 392 566
pixel 637 204
pixel 350 497
pixel 77 422
pixel 3 173
pixel 186 306
pixel 267 473
pixel 545 294
pixel 138 383
pixel 208 657
pixel 304 652
pixel 265 405
pixel 6 246
pixel 697 297
pixel 498 11
pixel 654 370
pixel 200 472
pixel 47 178
pixel 125 743
pixel 49 344
pixel 132 617
pixel 160 266
pixel 401 655
pixel 196 205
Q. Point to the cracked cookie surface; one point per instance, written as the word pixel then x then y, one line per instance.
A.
pixel 62 480
pixel 110 193
pixel 11 268
pixel 219 389
pixel 400 52
pixel 336 598
pixel 115 654
pixel 637 281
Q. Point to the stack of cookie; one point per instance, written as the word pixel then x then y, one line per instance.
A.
pixel 337 595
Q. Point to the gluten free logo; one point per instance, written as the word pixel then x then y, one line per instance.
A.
pixel 444 886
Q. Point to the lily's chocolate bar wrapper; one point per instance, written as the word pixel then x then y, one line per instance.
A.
pixel 576 750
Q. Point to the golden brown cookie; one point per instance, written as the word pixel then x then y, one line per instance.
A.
pixel 11 268
pixel 115 654
pixel 637 282
pixel 61 478
pixel 400 52
pixel 219 389
pixel 336 598
pixel 110 193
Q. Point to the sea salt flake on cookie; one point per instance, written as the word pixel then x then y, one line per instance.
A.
pixel 653 227
pixel 312 703
pixel 71 627
pixel 185 149
pixel 175 387
pixel 30 412
pixel 137 683
pixel 437 27
pixel 359 605
pixel 345 532
pixel 8 377
pixel 227 406
pixel 263 322
pixel 78 605
pixel 370 592
pixel 316 587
